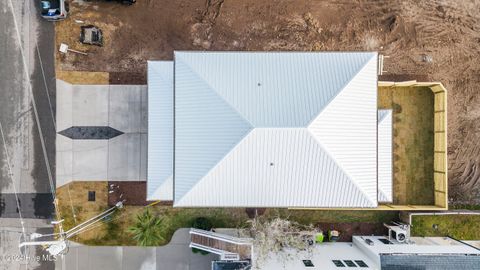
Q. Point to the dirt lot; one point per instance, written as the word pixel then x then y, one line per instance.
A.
pixel 438 39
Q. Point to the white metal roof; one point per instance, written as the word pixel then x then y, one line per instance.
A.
pixel 385 156
pixel 277 167
pixel 160 130
pixel 286 89
pixel 275 129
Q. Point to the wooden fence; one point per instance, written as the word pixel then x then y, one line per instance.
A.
pixel 440 151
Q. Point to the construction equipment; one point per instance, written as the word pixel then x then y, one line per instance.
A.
pixel 91 35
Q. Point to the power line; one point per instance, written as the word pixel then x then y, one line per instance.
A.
pixel 10 173
pixel 46 86
pixel 34 105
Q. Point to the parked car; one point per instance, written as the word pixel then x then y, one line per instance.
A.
pixel 54 10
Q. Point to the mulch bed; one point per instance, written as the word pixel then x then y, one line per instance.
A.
pixel 404 77
pixel 129 78
pixel 347 230
pixel 253 212
pixel 131 192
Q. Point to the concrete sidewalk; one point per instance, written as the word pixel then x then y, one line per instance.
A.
pixel 175 256
pixel 121 158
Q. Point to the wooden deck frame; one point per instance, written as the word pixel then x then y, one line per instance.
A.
pixel 440 152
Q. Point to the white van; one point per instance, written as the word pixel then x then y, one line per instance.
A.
pixel 54 10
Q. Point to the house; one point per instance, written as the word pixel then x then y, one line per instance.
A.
pixel 280 129
pixel 390 252
pixel 378 252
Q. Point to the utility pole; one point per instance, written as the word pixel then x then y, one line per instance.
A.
pixel 57 247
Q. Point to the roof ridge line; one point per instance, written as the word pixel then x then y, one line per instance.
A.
pixel 159 186
pixel 343 88
pixel 215 91
pixel 214 167
pixel 384 113
pixel 251 126
pixel 323 147
pixel 341 168
pixel 158 73
pixel 381 193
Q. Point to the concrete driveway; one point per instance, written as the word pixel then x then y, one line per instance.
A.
pixel 98 153
pixel 174 256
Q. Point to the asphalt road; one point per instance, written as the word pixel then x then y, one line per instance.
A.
pixel 22 74
pixel 27 77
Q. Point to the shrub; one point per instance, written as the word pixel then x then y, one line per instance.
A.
pixel 148 229
pixel 202 223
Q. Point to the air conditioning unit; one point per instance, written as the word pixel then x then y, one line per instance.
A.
pixel 398 232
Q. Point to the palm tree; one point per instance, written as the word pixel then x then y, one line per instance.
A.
pixel 148 229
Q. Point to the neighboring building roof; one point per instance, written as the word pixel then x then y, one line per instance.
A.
pixel 275 129
pixel 430 262
pixel 323 256
pixel 385 156
pixel 430 253
pixel 160 130
pixel 418 246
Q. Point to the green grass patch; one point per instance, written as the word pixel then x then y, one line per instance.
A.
pixel 174 218
pixel 307 217
pixel 464 206
pixel 462 227
pixel 413 142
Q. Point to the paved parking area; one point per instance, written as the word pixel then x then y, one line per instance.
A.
pixel 121 158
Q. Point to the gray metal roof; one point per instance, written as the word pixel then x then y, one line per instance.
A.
pixel 430 262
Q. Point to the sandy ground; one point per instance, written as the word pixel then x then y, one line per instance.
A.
pixel 437 39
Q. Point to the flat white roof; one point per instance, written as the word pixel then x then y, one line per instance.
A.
pixel 419 245
pixel 322 257
pixel 323 254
